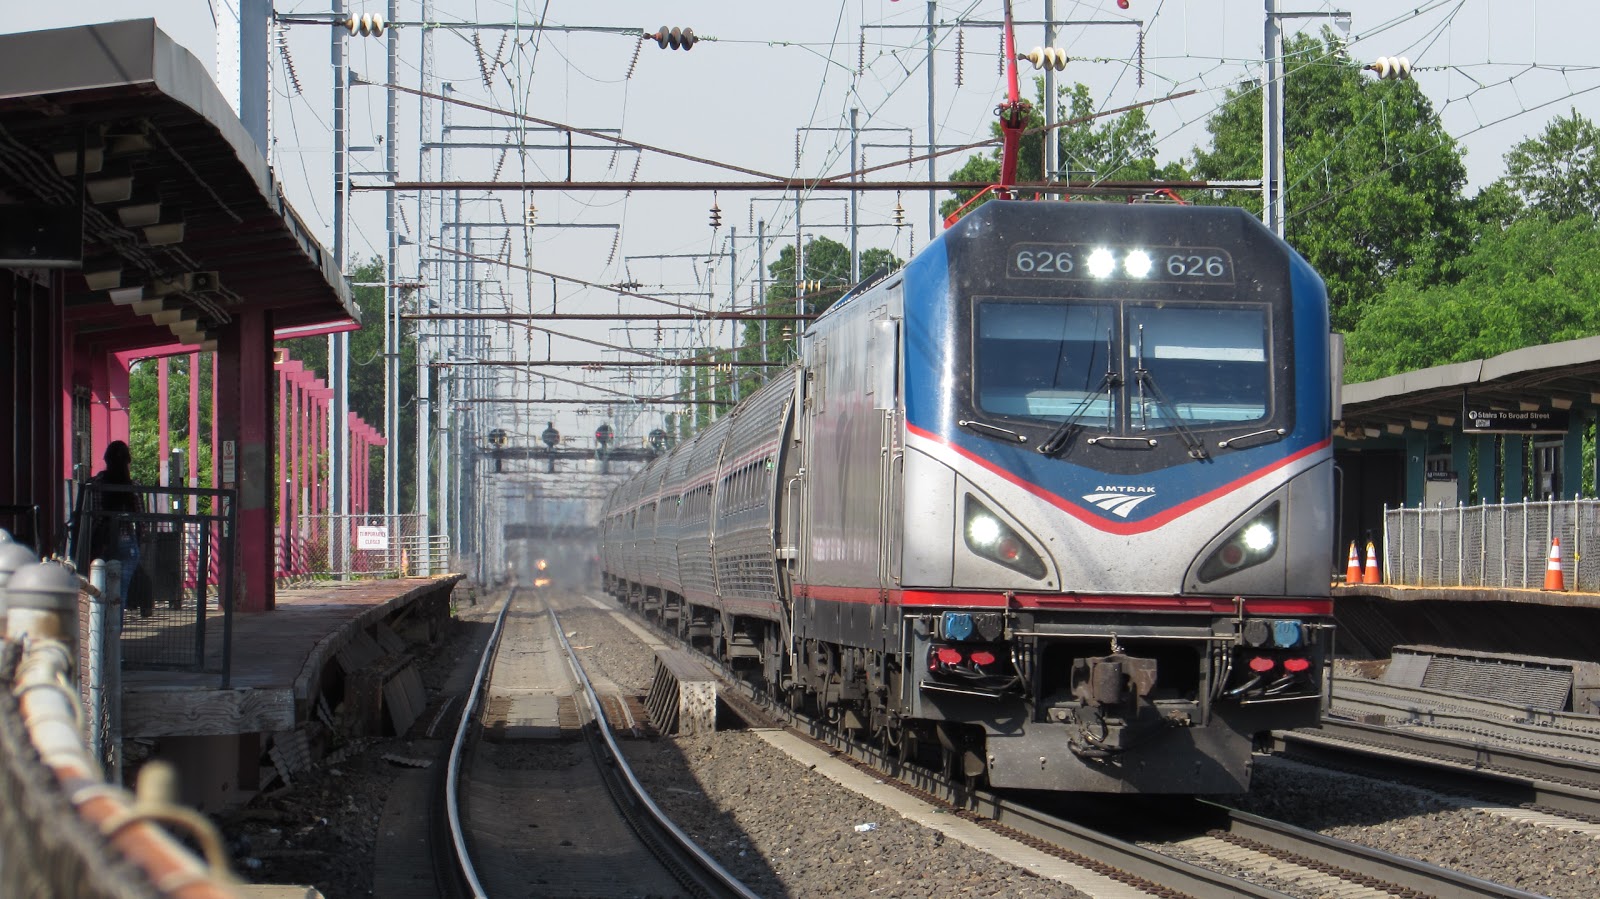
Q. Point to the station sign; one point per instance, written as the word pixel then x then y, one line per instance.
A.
pixel 1514 421
pixel 372 537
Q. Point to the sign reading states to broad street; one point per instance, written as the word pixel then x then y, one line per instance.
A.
pixel 1513 421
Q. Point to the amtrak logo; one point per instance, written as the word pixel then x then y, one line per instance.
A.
pixel 1119 500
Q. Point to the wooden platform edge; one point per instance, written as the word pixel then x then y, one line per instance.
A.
pixel 318 658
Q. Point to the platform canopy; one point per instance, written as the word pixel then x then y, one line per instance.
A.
pixel 122 164
pixel 1552 378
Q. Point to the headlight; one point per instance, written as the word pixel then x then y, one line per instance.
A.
pixel 1101 262
pixel 1251 544
pixel 1137 263
pixel 996 541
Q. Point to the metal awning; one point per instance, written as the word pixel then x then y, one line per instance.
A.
pixel 183 223
pixel 1555 376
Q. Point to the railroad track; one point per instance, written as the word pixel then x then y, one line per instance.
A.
pixel 540 798
pixel 1230 853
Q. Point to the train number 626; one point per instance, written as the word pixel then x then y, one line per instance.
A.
pixel 1044 261
pixel 1180 266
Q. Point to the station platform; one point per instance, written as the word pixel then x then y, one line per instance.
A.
pixel 1374 618
pixel 330 659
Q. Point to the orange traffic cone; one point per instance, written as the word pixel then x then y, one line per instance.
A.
pixel 1553 579
pixel 1352 572
pixel 1371 575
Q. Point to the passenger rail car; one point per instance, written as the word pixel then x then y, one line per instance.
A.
pixel 1051 505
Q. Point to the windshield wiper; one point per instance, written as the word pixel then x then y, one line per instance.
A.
pixel 1197 447
pixel 989 428
pixel 1273 435
pixel 1062 436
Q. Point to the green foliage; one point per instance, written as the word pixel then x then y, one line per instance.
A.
pixel 1558 173
pixel 1530 283
pixel 1373 180
pixel 367 377
pixel 144 422
pixel 1114 148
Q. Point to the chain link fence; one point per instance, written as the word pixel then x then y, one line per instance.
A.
pixel 360 546
pixel 1498 546
pixel 175 583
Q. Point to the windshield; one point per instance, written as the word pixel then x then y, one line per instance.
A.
pixel 1168 363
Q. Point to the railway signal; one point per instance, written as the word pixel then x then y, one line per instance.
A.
pixel 676 38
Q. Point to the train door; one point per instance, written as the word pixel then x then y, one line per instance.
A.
pixel 883 368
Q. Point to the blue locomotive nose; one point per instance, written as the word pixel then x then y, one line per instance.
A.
pixel 956 625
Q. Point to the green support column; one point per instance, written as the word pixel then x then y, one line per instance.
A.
pixel 1516 450
pixel 1460 459
pixel 1416 466
pixel 1572 458
pixel 1489 490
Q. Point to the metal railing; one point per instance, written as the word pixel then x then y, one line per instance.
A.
pixel 360 546
pixel 176 584
pixel 64 829
pixel 1505 546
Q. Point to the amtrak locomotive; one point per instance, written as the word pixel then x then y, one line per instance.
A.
pixel 1050 507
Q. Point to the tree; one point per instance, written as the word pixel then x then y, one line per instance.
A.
pixel 367 378
pixel 144 435
pixel 1530 283
pixel 1116 148
pixel 1558 173
pixel 1372 180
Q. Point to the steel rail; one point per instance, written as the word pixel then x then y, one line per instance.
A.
pixel 1131 864
pixel 722 877
pixel 1453 765
pixel 1362 861
pixel 458 839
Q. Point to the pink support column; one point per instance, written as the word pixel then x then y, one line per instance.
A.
pixel 164 414
pixel 194 429
pixel 117 397
pixel 216 448
pixel 245 410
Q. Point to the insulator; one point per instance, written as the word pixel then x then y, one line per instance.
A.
pixel 676 38
pixel 533 215
pixel 1391 68
pixel 368 24
pixel 861 53
pixel 961 47
pixel 1140 73
pixel 1000 58
pixel 716 213
pixel 288 61
pixel 797 149
pixel 1047 58
pixel 899 213
pixel 1122 4
pixel 633 64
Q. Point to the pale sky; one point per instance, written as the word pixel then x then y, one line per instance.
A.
pixel 1498 72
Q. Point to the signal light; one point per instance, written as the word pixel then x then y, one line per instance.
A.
pixel 1262 664
pixel 368 24
pixel 1046 58
pixel 676 38
pixel 1390 68
pixel 1296 666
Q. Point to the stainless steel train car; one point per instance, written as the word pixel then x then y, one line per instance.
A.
pixel 1051 506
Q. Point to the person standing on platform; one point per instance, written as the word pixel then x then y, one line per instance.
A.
pixel 115 537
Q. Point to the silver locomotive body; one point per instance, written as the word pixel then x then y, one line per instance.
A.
pixel 962 525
